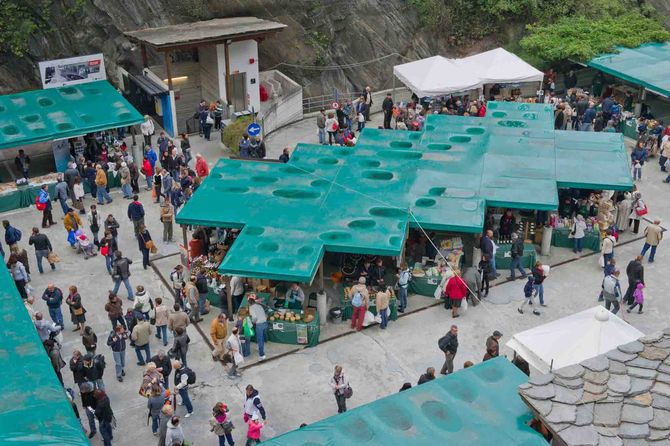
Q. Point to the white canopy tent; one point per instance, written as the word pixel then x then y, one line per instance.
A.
pixel 572 339
pixel 437 75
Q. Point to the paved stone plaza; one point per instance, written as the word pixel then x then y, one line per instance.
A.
pixel 294 387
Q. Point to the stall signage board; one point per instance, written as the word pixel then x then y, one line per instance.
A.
pixel 301 333
pixel 73 70
pixel 253 129
pixel 361 199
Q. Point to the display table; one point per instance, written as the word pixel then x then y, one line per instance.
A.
pixel 504 258
pixel 24 196
pixel 423 286
pixel 285 332
pixel 348 310
pixel 561 238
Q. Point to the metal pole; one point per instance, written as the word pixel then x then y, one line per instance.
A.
pixel 226 53
pixel 229 298
pixel 393 92
pixel 184 258
pixel 321 287
pixel 168 68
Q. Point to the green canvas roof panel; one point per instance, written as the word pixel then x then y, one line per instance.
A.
pixel 58 113
pixel 475 406
pixel 361 199
pixel 647 65
pixel 34 408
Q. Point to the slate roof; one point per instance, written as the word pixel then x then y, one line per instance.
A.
pixel 620 398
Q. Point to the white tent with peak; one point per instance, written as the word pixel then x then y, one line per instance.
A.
pixel 573 339
pixel 437 75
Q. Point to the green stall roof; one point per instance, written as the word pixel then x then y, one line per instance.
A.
pixel 58 113
pixel 647 65
pixel 34 408
pixel 475 406
pixel 358 200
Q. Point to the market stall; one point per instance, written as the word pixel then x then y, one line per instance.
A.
pixel 560 237
pixel 504 256
pixel 13 196
pixel 285 326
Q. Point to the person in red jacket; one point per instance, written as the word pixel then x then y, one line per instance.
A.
pixel 254 430
pixel 455 291
pixel 201 168
pixel 148 172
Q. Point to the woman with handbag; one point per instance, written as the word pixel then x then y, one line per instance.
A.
pixel 341 388
pixel 639 210
pixel 43 201
pixel 77 310
pixel 145 244
pixel 221 425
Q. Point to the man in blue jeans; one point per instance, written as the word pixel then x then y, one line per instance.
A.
pixel 258 317
pixel 516 251
pixel 53 296
pixel 181 375
pixel 121 273
pixel 653 236
pixel 141 335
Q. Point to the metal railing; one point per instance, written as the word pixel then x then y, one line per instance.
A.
pixel 316 103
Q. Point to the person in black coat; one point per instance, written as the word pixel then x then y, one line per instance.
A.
pixel 105 415
pixel 77 367
pixel 163 362
pixel 634 273
pixel 142 238
pixel 485 271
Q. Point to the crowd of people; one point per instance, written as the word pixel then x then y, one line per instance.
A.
pixel 168 174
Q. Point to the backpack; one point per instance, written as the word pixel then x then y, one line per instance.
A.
pixel 99 362
pixel 609 285
pixel 528 289
pixel 443 343
pixel 17 234
pixel 191 375
pixel 357 300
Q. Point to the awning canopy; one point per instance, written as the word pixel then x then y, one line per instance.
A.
pixel 34 408
pixel 437 75
pixel 479 406
pixel 59 113
pixel 207 32
pixel 361 199
pixel 572 339
pixel 647 65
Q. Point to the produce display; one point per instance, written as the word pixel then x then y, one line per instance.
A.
pixel 289 316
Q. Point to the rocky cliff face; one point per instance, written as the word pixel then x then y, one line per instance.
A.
pixel 321 33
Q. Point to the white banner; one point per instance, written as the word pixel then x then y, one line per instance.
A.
pixel 73 70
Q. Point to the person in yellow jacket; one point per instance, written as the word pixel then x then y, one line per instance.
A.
pixel 72 222
pixel 218 331
pixel 101 183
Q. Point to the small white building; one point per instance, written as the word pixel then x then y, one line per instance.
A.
pixel 211 60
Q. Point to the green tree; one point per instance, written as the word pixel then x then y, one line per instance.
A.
pixel 19 20
pixel 581 38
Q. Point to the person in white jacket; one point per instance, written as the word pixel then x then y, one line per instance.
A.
pixel 143 302
pixel 147 128
pixel 233 346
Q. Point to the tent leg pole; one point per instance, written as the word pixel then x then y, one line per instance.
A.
pixel 321 287
pixel 393 91
pixel 229 298
pixel 184 257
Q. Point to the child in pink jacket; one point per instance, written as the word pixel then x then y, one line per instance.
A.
pixel 254 430
pixel 638 297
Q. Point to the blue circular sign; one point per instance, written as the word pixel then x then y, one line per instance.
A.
pixel 253 129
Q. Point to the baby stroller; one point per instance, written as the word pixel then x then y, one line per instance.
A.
pixel 83 244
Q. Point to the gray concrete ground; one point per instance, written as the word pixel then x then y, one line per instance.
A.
pixel 294 388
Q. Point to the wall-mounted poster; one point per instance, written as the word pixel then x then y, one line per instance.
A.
pixel 73 70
